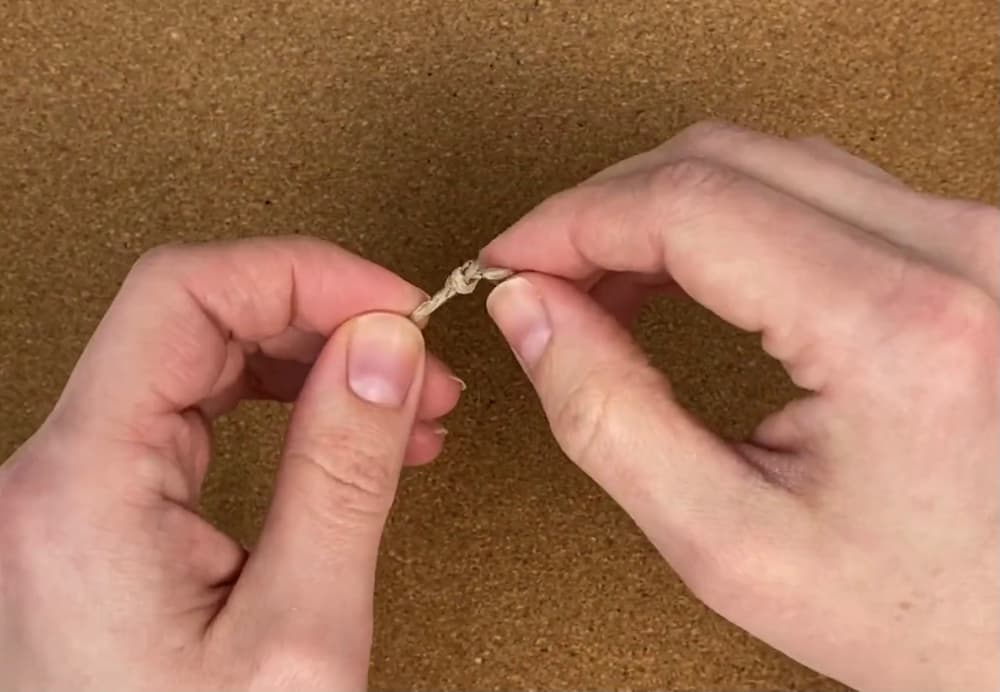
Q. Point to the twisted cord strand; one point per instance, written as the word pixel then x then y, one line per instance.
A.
pixel 462 281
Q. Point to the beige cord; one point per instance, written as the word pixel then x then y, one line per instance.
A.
pixel 462 281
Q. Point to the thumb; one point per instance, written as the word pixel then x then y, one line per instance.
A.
pixel 612 413
pixel 314 568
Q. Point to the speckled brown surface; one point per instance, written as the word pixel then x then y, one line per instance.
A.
pixel 411 132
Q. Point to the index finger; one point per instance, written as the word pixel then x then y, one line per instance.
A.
pixel 760 259
pixel 165 341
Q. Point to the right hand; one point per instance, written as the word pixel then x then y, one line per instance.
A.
pixel 857 529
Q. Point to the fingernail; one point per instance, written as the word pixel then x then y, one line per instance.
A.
pixel 517 309
pixel 440 431
pixel 461 382
pixel 383 354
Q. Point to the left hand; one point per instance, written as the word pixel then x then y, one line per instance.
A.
pixel 110 579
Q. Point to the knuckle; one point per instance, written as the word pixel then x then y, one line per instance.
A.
pixel 692 181
pixel 157 265
pixel 560 203
pixel 723 570
pixel 700 567
pixel 297 662
pixel 582 418
pixel 711 133
pixel 954 321
pixel 976 226
pixel 966 215
pixel 980 226
pixel 816 141
pixel 971 328
pixel 287 247
pixel 14 529
pixel 358 471
pixel 589 420
pixel 985 218
pixel 26 517
pixel 571 205
pixel 156 259
pixel 581 209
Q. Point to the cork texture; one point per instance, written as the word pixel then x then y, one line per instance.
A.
pixel 411 132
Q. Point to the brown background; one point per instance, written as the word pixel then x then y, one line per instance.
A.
pixel 412 132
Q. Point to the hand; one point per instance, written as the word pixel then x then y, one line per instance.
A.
pixel 109 578
pixel 857 530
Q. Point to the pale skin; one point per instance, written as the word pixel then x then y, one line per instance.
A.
pixel 856 530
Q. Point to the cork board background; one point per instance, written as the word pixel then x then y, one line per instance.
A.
pixel 411 132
